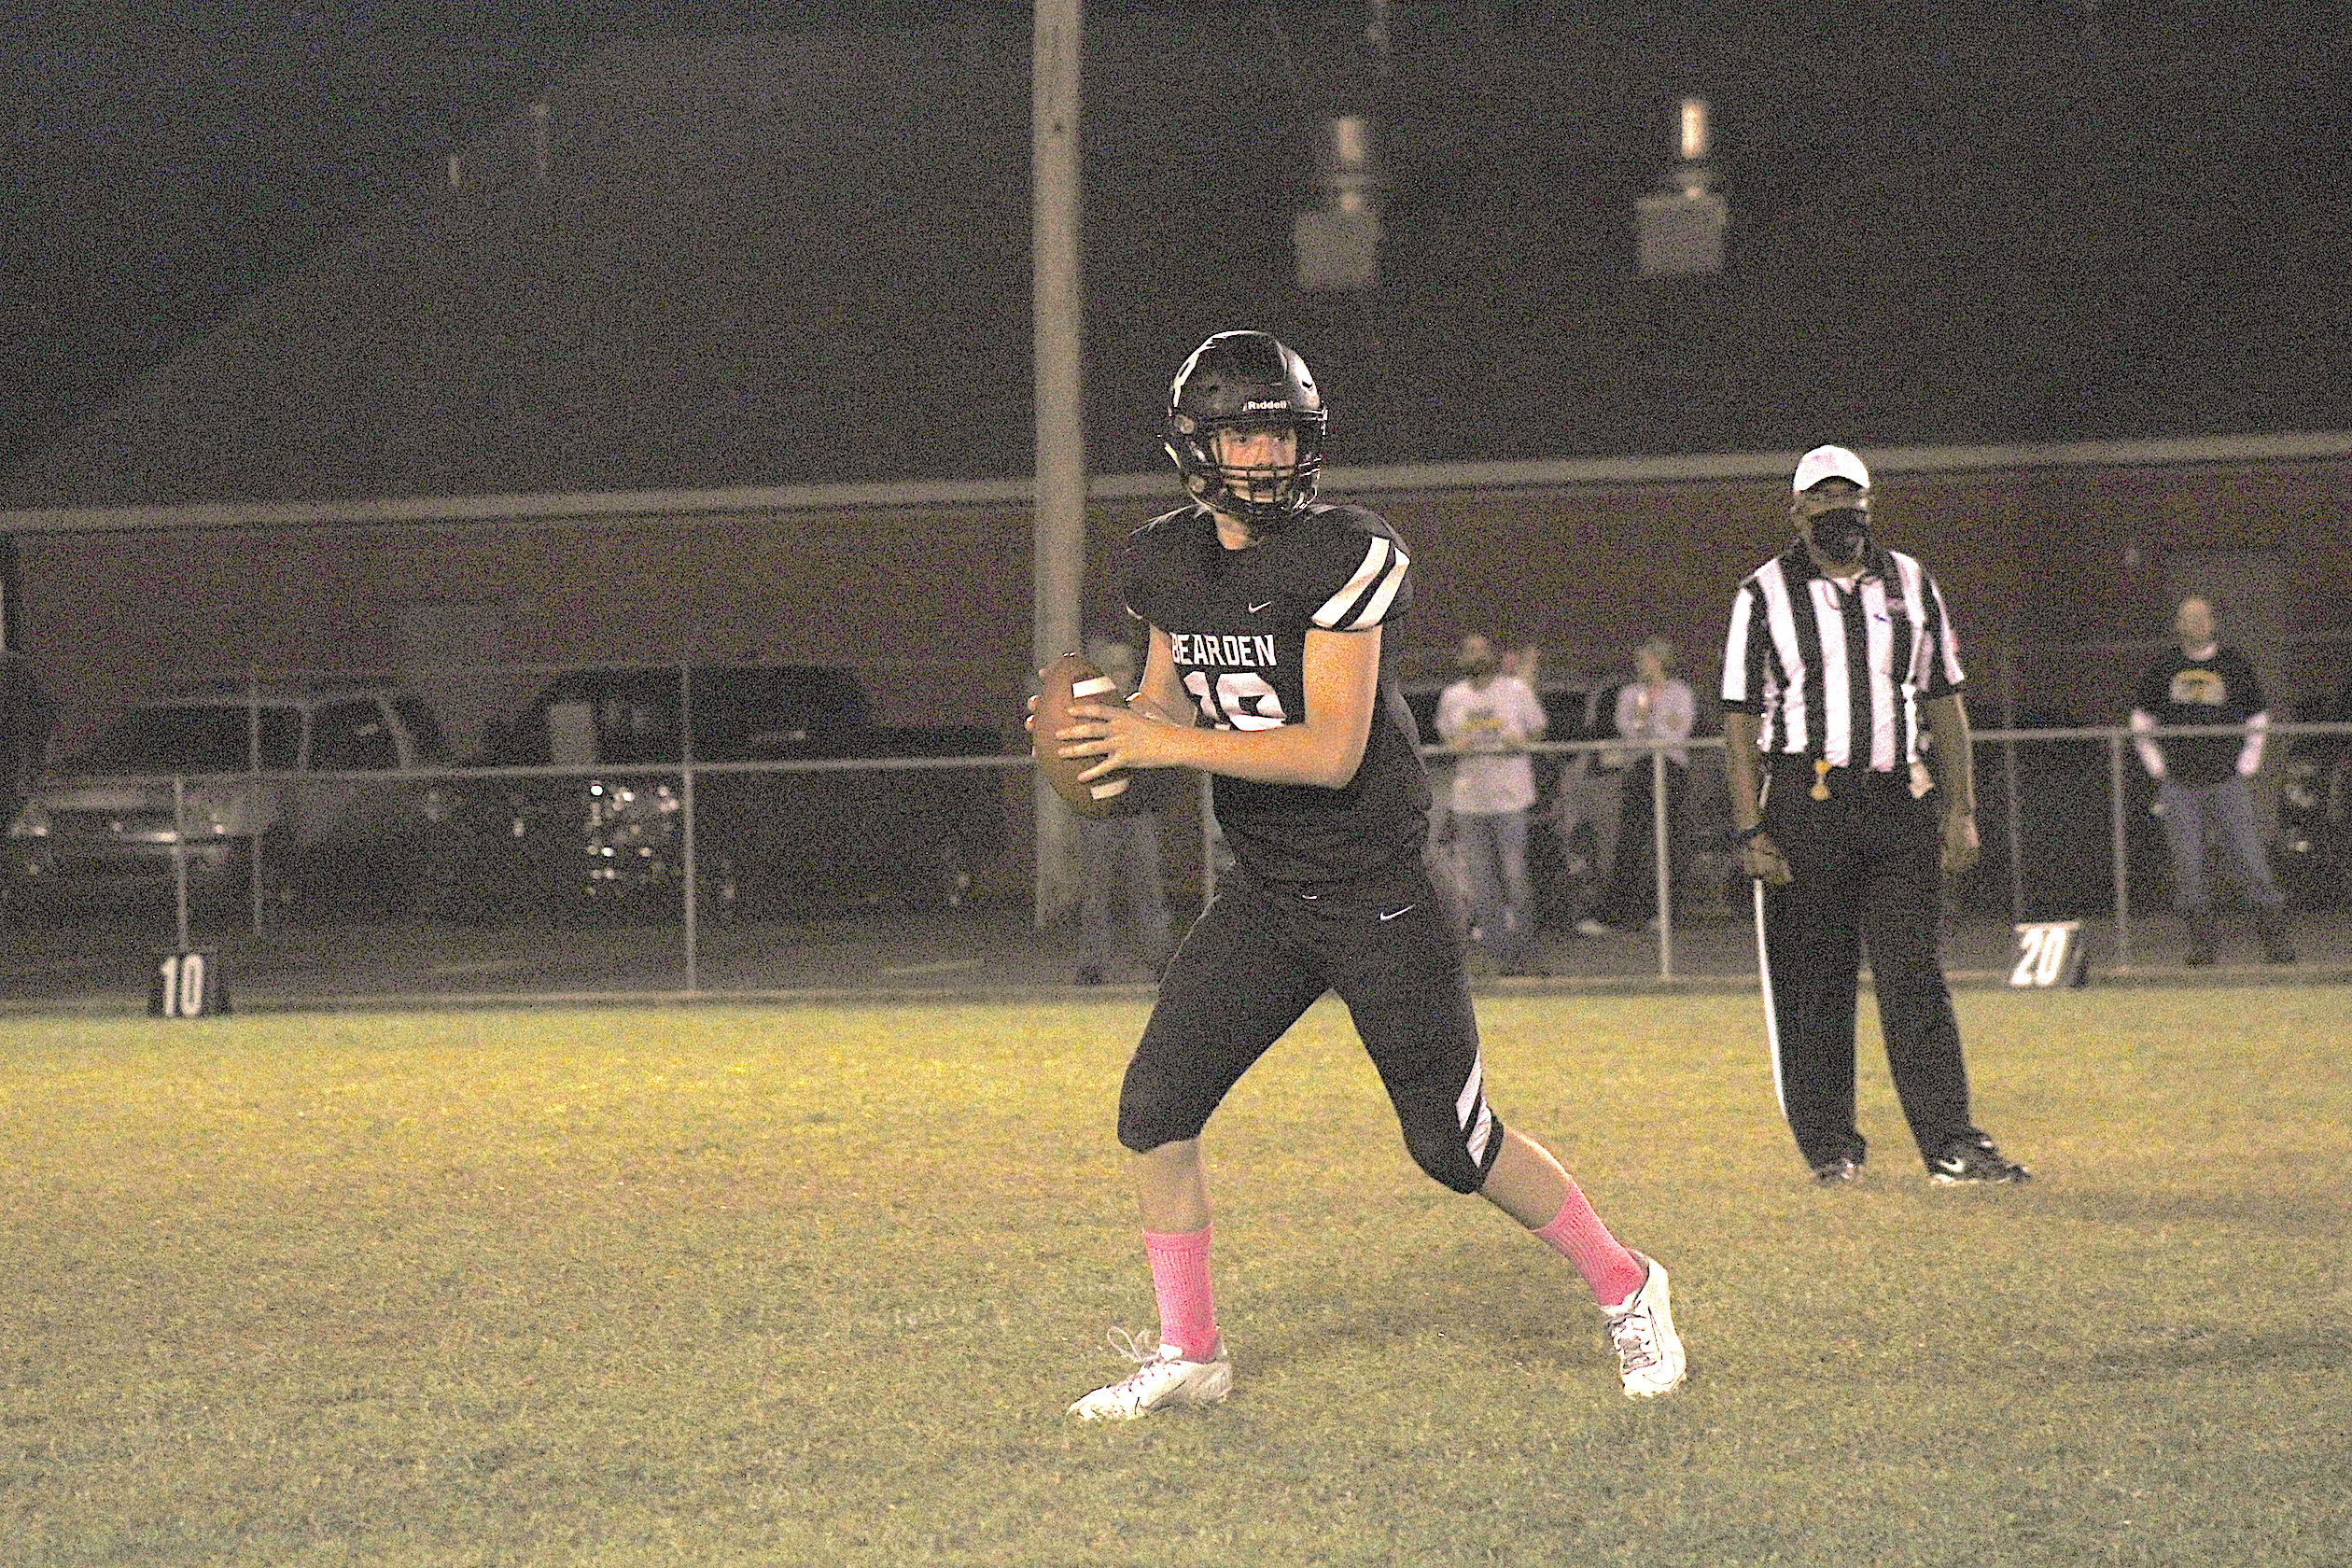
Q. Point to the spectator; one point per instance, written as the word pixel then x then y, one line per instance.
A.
pixel 1488 718
pixel 1121 860
pixel 1654 706
pixel 2200 779
pixel 1586 813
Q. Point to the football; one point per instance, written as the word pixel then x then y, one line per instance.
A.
pixel 1069 679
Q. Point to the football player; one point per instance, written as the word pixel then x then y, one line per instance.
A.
pixel 1270 669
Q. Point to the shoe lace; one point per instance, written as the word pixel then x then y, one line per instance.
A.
pixel 1634 1338
pixel 1140 1349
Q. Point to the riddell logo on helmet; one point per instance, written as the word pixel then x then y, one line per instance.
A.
pixel 1265 403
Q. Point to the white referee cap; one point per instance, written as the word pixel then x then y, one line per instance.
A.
pixel 1829 462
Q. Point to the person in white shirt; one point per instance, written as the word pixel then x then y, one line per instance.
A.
pixel 1487 718
pixel 1654 706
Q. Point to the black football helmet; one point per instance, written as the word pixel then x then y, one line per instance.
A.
pixel 1245 380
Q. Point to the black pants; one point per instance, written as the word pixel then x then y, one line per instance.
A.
pixel 1259 957
pixel 1632 895
pixel 1867 868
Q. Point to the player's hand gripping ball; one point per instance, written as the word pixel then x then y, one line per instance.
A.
pixel 1122 791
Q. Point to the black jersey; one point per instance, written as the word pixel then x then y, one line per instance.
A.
pixel 2219 689
pixel 1237 622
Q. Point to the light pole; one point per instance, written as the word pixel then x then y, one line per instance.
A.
pixel 1057 298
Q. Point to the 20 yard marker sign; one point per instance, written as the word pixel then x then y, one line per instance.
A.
pixel 2051 952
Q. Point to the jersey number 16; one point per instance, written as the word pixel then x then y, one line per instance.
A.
pixel 1239 700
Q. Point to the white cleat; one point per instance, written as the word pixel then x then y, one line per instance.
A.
pixel 1162 1378
pixel 1642 1332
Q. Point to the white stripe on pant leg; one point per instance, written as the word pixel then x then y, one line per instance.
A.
pixel 1771 1013
pixel 1470 1108
pixel 1468 1099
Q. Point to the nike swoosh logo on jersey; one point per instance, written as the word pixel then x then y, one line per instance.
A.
pixel 1393 913
pixel 1255 607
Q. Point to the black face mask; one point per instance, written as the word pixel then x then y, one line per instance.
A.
pixel 1841 536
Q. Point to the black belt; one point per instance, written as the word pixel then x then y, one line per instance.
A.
pixel 1821 782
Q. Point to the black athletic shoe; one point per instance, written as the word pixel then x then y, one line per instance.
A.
pixel 1973 1159
pixel 1837 1172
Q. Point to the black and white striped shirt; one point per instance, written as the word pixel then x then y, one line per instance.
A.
pixel 1836 670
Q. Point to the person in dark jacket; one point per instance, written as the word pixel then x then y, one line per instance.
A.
pixel 2200 779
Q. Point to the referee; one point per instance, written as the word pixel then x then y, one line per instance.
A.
pixel 1838 649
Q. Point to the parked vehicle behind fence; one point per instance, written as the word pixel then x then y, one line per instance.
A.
pixel 101 829
pixel 768 841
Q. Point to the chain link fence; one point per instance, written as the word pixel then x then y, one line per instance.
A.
pixel 676 829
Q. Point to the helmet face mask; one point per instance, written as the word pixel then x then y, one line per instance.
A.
pixel 1245 382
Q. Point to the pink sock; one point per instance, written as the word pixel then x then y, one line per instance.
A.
pixel 1179 1279
pixel 1610 1271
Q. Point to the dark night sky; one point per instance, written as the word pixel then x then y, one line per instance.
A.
pixel 170 158
pixel 166 163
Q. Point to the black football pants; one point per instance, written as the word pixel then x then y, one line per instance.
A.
pixel 1259 957
pixel 1867 868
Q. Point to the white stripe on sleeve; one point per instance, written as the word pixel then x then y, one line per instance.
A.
pixel 1780 616
pixel 1947 645
pixel 1381 572
pixel 1735 647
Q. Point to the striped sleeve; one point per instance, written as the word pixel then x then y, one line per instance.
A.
pixel 1378 587
pixel 1742 669
pixel 1940 650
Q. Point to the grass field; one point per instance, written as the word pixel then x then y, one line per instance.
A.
pixel 785 1286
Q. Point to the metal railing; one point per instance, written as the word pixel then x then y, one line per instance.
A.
pixel 2014 851
pixel 2023 793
